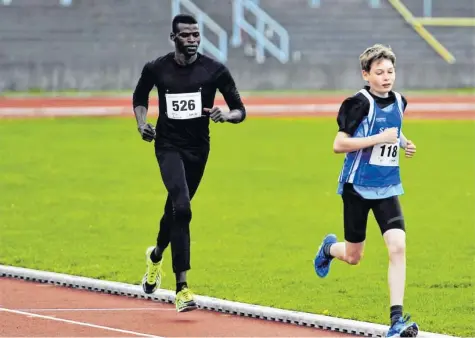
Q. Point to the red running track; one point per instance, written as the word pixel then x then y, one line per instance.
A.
pixel 30 309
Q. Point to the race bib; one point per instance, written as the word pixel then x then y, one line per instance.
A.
pixel 183 106
pixel 385 154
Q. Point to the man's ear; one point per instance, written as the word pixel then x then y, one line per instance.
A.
pixel 172 36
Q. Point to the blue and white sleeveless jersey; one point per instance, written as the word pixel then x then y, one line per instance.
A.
pixel 374 171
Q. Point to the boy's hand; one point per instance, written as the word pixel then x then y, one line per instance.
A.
pixel 410 149
pixel 388 136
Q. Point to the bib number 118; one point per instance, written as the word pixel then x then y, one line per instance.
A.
pixel 390 149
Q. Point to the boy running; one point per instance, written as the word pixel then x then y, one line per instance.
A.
pixel 370 124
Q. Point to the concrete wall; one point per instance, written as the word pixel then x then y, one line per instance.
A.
pixel 54 76
pixel 102 45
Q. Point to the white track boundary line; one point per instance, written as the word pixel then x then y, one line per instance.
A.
pixel 29 314
pixel 252 109
pixel 207 303
pixel 96 309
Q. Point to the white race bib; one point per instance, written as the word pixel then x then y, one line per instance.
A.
pixel 385 154
pixel 183 106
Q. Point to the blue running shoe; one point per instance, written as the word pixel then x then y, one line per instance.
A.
pixel 404 327
pixel 322 261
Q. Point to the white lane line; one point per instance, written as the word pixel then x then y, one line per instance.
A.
pixel 29 314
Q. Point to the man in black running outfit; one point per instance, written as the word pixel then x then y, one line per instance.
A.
pixel 186 82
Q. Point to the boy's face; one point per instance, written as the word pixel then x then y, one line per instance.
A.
pixel 381 76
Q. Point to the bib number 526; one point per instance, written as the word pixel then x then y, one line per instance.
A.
pixel 183 105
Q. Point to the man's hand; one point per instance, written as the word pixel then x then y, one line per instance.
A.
pixel 147 131
pixel 410 149
pixel 217 115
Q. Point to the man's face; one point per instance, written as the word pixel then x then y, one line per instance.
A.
pixel 187 39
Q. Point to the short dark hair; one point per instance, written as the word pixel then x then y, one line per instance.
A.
pixel 182 18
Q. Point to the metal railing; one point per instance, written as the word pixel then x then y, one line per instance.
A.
pixel 219 51
pixel 428 19
pixel 258 31
pixel 424 33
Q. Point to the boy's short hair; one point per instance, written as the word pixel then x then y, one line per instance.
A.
pixel 375 53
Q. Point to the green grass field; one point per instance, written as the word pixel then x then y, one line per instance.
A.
pixel 84 195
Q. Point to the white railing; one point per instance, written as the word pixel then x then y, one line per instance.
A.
pixel 219 51
pixel 258 31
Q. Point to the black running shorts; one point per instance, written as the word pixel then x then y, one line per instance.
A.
pixel 387 212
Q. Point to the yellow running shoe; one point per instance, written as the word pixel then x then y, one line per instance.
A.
pixel 153 276
pixel 184 301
